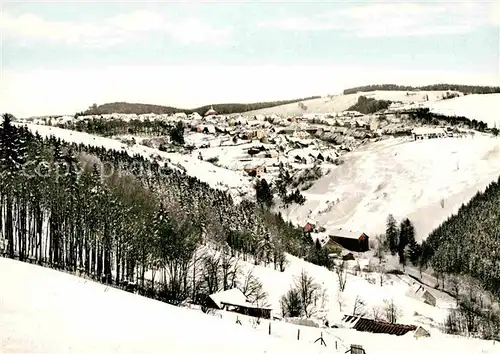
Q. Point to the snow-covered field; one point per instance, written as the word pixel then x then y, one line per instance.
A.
pixel 343 102
pixel 45 311
pixel 426 181
pixel 215 176
pixel 484 108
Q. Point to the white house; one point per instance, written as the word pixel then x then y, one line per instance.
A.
pixel 421 133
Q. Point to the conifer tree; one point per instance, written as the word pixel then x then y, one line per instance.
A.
pixel 392 234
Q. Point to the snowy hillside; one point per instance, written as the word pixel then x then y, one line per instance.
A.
pixel 45 311
pixel 343 102
pixel 484 108
pixel 215 176
pixel 426 181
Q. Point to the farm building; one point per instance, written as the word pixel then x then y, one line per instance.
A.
pixel 421 332
pixel 350 240
pixel 234 300
pixel 428 133
pixel 419 292
pixel 367 325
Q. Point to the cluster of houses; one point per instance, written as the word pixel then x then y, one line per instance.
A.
pixel 354 242
pixel 423 133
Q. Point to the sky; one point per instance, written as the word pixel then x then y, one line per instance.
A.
pixel 61 57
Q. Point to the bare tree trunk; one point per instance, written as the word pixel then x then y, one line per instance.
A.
pixel 9 226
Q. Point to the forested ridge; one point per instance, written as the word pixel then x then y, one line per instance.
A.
pixel 116 126
pixel 468 243
pixel 437 87
pixel 113 217
pixel 425 116
pixel 221 108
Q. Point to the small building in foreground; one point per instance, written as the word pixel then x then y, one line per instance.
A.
pixel 367 325
pixel 234 300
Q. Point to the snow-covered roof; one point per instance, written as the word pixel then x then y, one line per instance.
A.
pixel 232 297
pixel 424 130
pixel 345 233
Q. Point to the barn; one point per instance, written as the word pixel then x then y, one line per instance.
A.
pixel 234 300
pixel 368 325
pixel 350 240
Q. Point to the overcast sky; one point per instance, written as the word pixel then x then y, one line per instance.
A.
pixel 59 58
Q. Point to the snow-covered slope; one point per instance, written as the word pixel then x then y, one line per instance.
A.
pixel 342 102
pixel 426 181
pixel 45 311
pixel 215 176
pixel 484 108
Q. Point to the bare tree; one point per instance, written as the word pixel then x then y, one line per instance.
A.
pixel 211 274
pixel 308 291
pixel 392 312
pixel 359 307
pixel 382 275
pixel 253 289
pixel 455 287
pixel 341 271
pixel 340 300
pixel 377 314
pixel 380 248
pixel 229 269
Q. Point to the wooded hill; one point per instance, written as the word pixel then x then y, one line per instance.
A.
pixel 468 243
pixel 222 108
pixel 112 217
pixel 466 89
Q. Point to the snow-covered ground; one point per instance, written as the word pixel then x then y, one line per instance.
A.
pixel 343 102
pixel 215 176
pixel 484 108
pixel 426 181
pixel 45 311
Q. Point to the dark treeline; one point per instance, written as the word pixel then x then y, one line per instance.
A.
pixel 465 250
pixel 437 87
pixel 222 108
pixel 425 116
pixel 110 127
pixel 369 105
pixel 469 242
pixel 113 217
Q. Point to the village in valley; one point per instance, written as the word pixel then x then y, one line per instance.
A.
pixel 237 152
pixel 252 177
